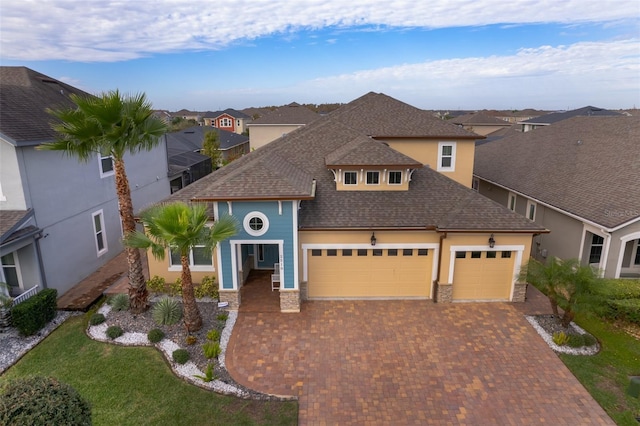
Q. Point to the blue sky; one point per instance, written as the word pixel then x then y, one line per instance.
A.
pixel 441 54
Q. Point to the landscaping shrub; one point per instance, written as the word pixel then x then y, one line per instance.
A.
pixel 155 335
pixel 222 316
pixel 167 311
pixel 34 313
pixel 119 302
pixel 560 338
pixel 42 401
pixel 207 288
pixel 191 339
pixel 180 356
pixel 589 340
pixel 96 319
pixel 156 285
pixel 214 335
pixel 208 374
pixel 618 289
pixel 114 331
pixel 625 310
pixel 575 340
pixel 175 289
pixel 211 349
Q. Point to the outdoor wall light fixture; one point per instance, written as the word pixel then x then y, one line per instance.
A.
pixel 492 242
pixel 373 239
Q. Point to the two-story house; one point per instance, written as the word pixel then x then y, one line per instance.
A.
pixel 59 218
pixel 229 120
pixel 579 178
pixel 372 201
pixel 279 122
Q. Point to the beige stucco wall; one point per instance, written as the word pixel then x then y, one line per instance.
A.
pixel 161 269
pixel 260 135
pixel 426 152
pixel 362 181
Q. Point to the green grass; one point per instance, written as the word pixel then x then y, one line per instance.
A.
pixel 606 375
pixel 135 386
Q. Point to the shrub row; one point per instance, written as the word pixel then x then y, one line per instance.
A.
pixel 618 289
pixel 33 314
pixel 206 288
pixel 625 310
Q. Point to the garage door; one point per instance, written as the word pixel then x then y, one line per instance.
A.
pixel 369 273
pixel 483 275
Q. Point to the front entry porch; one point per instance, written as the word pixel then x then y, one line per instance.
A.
pixel 256 294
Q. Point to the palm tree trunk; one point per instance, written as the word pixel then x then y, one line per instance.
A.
pixel 138 294
pixel 192 318
pixel 554 306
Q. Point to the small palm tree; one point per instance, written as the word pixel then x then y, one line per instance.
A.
pixel 566 283
pixel 112 125
pixel 180 227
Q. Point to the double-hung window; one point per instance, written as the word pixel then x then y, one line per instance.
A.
pixel 446 156
pixel 531 210
pixel 373 178
pixel 98 232
pixel 395 178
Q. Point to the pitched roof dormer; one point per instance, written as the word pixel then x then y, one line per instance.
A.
pixel 365 164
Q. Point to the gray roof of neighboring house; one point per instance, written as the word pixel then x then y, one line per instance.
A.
pixel 191 138
pixel 25 96
pixel 293 166
pixel 293 114
pixel 479 118
pixel 229 111
pixel 587 166
pixel 554 117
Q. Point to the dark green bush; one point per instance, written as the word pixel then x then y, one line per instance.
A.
pixel 575 341
pixel 180 356
pixel 96 319
pixel 589 340
pixel 114 331
pixel 222 316
pixel 34 313
pixel 155 335
pixel 625 310
pixel 119 302
pixel 618 289
pixel 42 401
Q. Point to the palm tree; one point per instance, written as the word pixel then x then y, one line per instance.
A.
pixel 566 283
pixel 180 227
pixel 112 125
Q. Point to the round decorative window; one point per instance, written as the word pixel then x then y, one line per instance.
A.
pixel 256 224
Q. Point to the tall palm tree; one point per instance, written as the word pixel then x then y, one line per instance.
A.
pixel 112 124
pixel 180 227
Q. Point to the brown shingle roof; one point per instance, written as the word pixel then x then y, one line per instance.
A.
pixel 480 118
pixel 288 114
pixel 288 166
pixel 11 221
pixel 364 151
pixel 587 166
pixel 24 97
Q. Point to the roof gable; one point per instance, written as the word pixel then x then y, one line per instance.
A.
pixel 364 151
pixel 293 114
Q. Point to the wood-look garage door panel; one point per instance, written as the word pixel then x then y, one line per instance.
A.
pixel 483 278
pixel 368 276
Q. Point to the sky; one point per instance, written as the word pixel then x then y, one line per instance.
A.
pixel 438 54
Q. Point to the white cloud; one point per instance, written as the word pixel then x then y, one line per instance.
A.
pixel 105 31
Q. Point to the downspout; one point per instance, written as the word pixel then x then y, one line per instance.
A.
pixel 442 237
pixel 39 253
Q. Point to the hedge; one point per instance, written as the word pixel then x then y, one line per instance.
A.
pixel 626 310
pixel 618 289
pixel 33 314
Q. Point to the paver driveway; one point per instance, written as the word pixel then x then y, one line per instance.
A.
pixel 409 362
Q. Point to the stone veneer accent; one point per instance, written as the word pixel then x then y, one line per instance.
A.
pixel 289 300
pixel 444 293
pixel 519 292
pixel 231 296
pixel 304 291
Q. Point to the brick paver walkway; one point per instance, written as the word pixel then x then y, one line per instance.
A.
pixel 409 362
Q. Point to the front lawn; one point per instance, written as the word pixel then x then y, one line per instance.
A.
pixel 606 375
pixel 134 385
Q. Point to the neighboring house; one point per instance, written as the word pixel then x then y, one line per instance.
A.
pixel 186 164
pixel 514 117
pixel 549 119
pixel 579 178
pixel 185 114
pixel 372 201
pixel 278 123
pixel 229 120
pixel 480 123
pixel 59 218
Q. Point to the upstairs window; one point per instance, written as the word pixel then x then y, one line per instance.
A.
pixel 106 165
pixel 446 156
pixel 512 202
pixel 350 178
pixel 373 178
pixel 395 178
pixel 531 210
pixel 226 122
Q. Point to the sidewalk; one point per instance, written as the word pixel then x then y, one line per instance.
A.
pixel 110 278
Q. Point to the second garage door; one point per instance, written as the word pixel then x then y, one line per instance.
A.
pixel 483 275
pixel 369 273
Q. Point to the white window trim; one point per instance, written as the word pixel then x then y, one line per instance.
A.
pixel 389 177
pixel 100 214
pixel 366 177
pixel 109 173
pixel 452 168
pixel 16 266
pixel 535 210
pixel 344 181
pixel 192 266
pixel 246 223
pixel 513 197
